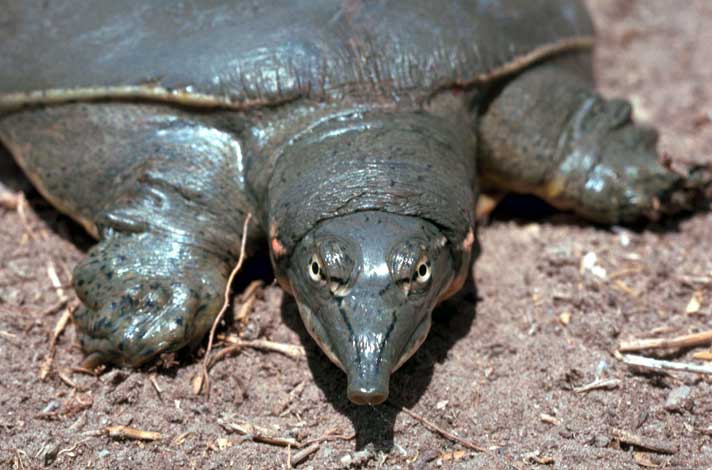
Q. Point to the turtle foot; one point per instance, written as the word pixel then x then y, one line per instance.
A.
pixel 145 295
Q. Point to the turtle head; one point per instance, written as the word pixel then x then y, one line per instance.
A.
pixel 366 284
pixel 370 221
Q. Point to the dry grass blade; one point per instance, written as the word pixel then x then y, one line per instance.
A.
pixel 649 443
pixel 598 384
pixel 125 432
pixel 687 341
pixel 204 381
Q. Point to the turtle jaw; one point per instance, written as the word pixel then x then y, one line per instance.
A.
pixel 360 355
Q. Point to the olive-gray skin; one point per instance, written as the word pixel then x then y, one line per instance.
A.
pixel 356 133
pixel 374 287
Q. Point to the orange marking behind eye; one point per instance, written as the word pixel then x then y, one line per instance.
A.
pixel 468 241
pixel 277 248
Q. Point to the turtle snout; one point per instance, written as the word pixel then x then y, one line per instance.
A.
pixel 368 372
pixel 368 391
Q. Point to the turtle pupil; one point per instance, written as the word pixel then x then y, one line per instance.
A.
pixel 422 270
pixel 315 268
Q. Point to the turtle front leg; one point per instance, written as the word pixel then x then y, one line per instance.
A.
pixel 170 233
pixel 146 294
pixel 548 133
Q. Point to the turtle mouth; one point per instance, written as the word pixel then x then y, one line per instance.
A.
pixel 318 333
pixel 417 339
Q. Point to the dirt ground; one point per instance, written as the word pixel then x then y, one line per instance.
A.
pixel 500 368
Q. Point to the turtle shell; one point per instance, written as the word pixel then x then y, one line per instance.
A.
pixel 260 52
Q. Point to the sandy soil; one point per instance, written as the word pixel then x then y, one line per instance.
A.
pixel 500 368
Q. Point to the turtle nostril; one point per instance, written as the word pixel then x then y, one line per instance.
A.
pixel 364 396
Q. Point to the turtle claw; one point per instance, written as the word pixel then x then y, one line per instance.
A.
pixel 690 192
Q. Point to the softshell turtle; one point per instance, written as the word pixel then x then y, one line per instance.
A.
pixel 357 134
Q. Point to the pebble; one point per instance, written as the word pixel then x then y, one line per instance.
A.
pixel 49 452
pixel 51 406
pixel 356 458
pixel 346 460
pixel 601 440
pixel 679 399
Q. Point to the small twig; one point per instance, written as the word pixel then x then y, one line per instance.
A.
pixel 624 272
pixel 660 365
pixel 291 350
pixel 72 448
pixel 58 328
pixel 180 439
pixel 703 355
pixel 547 418
pixel 328 436
pixel 687 341
pixel 94 372
pixel 248 299
pixel 655 445
pixel 21 211
pixel 54 308
pixel 54 279
pixel 622 286
pixel 154 382
pixel 67 380
pixel 259 434
pixel 598 384
pixel 204 382
pixel 302 455
pixel 447 434
pixel 125 432
pixel 693 280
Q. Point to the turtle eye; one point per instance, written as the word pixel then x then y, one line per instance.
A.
pixel 315 269
pixel 422 271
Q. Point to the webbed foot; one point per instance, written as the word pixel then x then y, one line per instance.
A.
pixel 611 172
pixel 548 133
pixel 144 295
